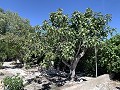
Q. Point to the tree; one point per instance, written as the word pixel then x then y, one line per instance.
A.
pixel 69 37
pixel 109 54
pixel 108 57
pixel 18 39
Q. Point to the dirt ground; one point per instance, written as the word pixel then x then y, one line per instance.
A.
pixel 102 82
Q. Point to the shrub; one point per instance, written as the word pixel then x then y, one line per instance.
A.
pixel 13 83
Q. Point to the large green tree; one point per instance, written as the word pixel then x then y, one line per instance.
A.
pixel 69 37
pixel 18 39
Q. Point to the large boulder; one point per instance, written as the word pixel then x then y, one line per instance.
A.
pixel 99 83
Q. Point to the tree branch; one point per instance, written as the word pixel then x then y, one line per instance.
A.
pixel 77 59
pixel 82 53
pixel 78 50
pixel 66 63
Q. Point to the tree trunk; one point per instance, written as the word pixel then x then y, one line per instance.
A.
pixel 72 69
pixel 72 73
pixel 74 63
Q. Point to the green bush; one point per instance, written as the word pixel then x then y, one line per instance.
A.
pixel 13 83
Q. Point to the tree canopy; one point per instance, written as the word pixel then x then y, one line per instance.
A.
pixel 68 38
pixel 18 39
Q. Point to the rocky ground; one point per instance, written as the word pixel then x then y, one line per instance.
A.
pixel 100 83
pixel 34 80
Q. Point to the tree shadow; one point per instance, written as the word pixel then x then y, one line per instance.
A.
pixel 46 86
pixel 118 88
pixel 58 81
pixel 59 78
pixel 52 79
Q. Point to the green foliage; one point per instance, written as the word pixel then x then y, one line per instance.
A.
pixel 110 54
pixel 1 10
pixel 13 83
pixel 108 57
pixel 68 36
pixel 18 39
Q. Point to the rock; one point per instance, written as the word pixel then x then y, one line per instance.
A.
pixel 91 84
pixel 18 61
pixel 31 77
pixel 33 86
pixel 55 72
pixel 86 78
pixel 1 74
pixel 8 64
pixel 17 71
pixel 46 86
pixel 1 85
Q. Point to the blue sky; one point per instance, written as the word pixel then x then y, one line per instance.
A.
pixel 38 10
